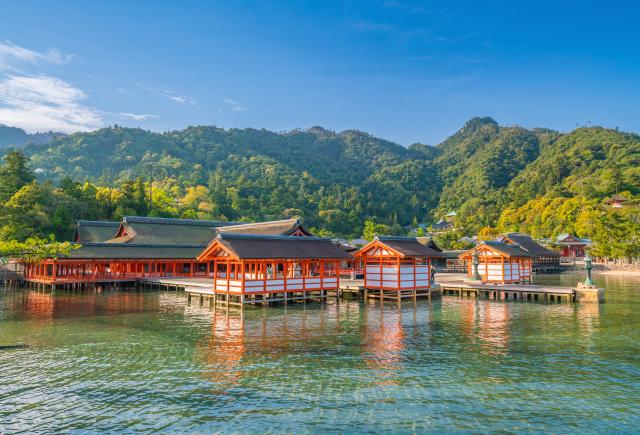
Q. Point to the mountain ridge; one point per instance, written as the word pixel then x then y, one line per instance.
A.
pixel 338 179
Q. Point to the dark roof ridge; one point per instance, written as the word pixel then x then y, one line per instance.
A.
pixel 141 245
pixel 174 221
pixel 249 224
pixel 97 223
pixel 400 238
pixel 223 236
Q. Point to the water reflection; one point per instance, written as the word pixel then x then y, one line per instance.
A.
pixel 588 316
pixel 383 343
pixel 33 305
pixel 224 349
pixel 486 323
pixel 457 365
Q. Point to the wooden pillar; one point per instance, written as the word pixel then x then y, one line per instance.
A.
pixel 242 268
pixel 486 268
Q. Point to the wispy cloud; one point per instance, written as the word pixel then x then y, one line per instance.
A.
pixel 45 103
pixel 138 116
pixel 12 55
pixel 235 105
pixel 169 94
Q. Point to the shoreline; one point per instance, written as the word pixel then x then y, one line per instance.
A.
pixel 614 272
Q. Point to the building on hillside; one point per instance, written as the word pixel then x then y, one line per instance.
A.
pixel 358 243
pixel 397 267
pixel 451 216
pixel 94 231
pixel 499 262
pixel 572 246
pixel 259 269
pixel 616 201
pixel 441 226
pixel 544 260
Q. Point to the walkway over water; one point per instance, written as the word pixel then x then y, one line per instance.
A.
pixel 450 285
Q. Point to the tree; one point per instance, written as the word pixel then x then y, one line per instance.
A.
pixel 14 173
pixel 34 249
pixel 372 229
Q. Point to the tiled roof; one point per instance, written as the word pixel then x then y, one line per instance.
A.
pixel 507 249
pixel 119 251
pixel 144 230
pixel 173 221
pixel 275 228
pixel 409 247
pixel 94 231
pixel 248 247
pixel 452 253
pixel 530 245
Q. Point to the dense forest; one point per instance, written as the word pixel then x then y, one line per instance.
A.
pixel 496 178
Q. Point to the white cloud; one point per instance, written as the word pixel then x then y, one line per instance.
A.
pixel 177 98
pixel 38 103
pixel 12 54
pixel 138 116
pixel 235 105
pixel 168 94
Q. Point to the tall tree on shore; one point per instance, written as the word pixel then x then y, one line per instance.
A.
pixel 14 174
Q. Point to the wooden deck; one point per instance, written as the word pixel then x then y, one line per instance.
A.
pixel 505 292
pixel 447 285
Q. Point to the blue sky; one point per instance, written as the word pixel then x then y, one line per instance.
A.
pixel 403 70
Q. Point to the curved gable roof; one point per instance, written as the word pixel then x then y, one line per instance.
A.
pixel 530 245
pixel 403 246
pixel 161 231
pixel 505 249
pixel 256 247
pixel 94 231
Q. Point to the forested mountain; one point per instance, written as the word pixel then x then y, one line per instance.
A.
pixel 17 137
pixel 503 178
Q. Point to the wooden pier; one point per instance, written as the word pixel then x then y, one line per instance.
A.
pixel 201 289
pixel 509 292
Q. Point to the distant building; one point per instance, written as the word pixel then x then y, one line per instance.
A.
pixel 499 262
pixel 616 201
pixel 572 246
pixel 543 259
pixel 358 242
pixel 441 226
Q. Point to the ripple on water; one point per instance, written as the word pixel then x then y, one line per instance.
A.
pixel 125 361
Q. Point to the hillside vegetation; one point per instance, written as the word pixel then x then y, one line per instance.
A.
pixel 503 178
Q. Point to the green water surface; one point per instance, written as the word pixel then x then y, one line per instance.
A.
pixel 125 361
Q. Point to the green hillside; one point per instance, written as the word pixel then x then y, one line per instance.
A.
pixel 504 178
